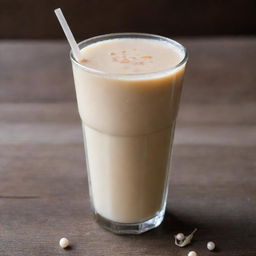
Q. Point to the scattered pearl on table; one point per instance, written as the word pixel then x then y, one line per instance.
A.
pixel 192 253
pixel 64 243
pixel 180 237
pixel 211 246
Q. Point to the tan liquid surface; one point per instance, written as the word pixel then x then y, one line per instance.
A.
pixel 129 56
pixel 128 123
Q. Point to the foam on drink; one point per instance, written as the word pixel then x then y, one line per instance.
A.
pixel 129 56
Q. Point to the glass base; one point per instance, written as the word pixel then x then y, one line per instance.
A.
pixel 130 228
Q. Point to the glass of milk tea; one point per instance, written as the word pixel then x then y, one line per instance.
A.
pixel 128 89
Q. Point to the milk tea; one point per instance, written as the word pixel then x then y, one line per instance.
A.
pixel 128 92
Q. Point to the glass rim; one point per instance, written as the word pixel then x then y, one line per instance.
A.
pixel 110 36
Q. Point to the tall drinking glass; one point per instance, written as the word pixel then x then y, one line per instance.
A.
pixel 128 122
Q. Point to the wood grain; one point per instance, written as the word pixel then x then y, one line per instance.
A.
pixel 43 187
pixel 220 70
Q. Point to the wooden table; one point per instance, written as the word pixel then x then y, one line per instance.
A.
pixel 43 187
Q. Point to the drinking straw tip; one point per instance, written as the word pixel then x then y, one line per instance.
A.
pixel 68 34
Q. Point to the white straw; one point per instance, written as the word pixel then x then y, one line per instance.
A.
pixel 68 34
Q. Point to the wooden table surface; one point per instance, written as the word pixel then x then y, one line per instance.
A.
pixel 43 187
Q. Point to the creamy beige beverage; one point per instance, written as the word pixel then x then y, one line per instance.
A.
pixel 128 93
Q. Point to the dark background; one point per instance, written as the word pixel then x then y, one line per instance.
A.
pixel 31 19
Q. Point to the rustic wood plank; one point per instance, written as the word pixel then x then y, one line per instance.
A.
pixel 219 71
pixel 44 192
